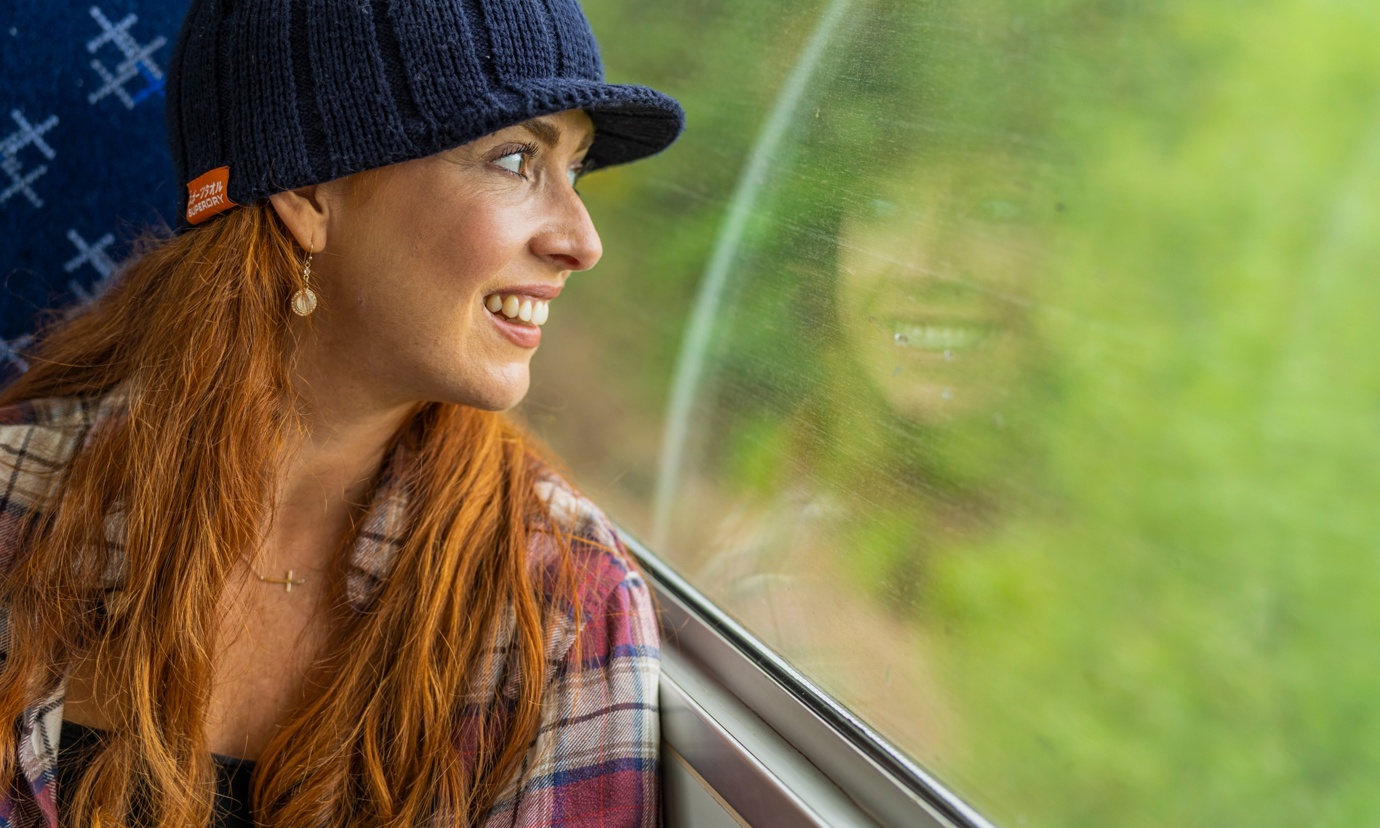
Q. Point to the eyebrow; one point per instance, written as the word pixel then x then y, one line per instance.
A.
pixel 550 134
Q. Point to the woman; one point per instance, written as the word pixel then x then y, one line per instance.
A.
pixel 262 526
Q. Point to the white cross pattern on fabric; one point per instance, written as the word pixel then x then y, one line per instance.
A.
pixel 94 255
pixel 27 135
pixel 9 352
pixel 138 61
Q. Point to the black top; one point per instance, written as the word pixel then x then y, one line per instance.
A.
pixel 79 742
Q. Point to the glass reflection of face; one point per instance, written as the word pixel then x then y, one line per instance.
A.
pixel 933 283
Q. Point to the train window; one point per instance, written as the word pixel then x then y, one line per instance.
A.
pixel 987 386
pixel 1002 369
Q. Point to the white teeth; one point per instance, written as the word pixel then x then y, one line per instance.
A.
pixel 523 308
pixel 939 337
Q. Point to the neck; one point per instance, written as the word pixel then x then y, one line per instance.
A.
pixel 324 480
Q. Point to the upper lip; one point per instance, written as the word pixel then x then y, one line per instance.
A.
pixel 545 292
pixel 938 317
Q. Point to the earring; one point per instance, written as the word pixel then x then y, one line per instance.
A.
pixel 304 300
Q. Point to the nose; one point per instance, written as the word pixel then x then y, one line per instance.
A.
pixel 569 241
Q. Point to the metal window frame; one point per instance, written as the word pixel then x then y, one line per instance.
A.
pixel 773 746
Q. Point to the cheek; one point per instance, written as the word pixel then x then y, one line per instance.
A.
pixel 867 274
pixel 461 249
pixel 853 284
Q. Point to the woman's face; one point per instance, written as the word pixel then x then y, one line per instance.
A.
pixel 933 289
pixel 418 253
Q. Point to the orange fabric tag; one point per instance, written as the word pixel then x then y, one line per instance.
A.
pixel 208 195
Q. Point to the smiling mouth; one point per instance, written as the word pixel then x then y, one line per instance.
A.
pixel 519 309
pixel 950 336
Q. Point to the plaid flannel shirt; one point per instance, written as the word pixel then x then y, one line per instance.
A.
pixel 595 760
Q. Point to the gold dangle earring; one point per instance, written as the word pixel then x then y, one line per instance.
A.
pixel 304 300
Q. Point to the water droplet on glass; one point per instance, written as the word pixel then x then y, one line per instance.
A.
pixel 900 339
pixel 947 394
pixel 948 355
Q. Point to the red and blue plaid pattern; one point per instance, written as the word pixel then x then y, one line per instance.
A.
pixel 595 760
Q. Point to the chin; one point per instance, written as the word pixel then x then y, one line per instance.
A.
pixel 500 394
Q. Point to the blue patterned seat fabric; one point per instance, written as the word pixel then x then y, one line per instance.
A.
pixel 83 165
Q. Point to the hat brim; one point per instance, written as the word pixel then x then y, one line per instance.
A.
pixel 630 122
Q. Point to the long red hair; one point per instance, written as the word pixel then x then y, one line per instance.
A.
pixel 195 336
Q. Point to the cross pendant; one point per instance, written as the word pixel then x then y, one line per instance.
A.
pixel 288 583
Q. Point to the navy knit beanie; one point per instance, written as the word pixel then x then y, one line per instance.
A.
pixel 268 95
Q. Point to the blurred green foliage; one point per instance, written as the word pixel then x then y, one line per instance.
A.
pixel 1180 643
pixel 1144 558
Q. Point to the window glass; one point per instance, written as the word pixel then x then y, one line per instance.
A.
pixel 1010 368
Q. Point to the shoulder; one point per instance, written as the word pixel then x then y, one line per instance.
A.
pixel 596 758
pixel 45 423
pixel 603 569
pixel 38 438
pixel 609 626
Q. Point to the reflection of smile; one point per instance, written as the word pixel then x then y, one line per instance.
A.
pixel 938 347
pixel 937 336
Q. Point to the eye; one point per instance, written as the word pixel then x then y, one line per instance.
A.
pixel 513 162
pixel 999 210
pixel 573 174
pixel 515 158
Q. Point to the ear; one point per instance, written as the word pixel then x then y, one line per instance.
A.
pixel 305 213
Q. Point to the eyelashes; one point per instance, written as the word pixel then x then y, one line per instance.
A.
pixel 517 159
